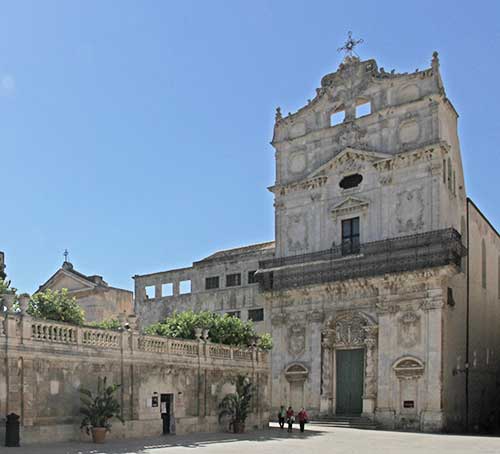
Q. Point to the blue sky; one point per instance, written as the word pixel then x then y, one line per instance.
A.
pixel 136 133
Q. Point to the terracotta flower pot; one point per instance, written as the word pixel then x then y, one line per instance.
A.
pixel 98 434
pixel 238 427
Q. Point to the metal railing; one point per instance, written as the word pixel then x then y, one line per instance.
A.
pixel 407 253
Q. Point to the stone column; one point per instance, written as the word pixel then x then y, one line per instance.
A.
pixel 386 310
pixel 370 394
pixel 278 327
pixel 313 388
pixel 432 418
pixel 326 374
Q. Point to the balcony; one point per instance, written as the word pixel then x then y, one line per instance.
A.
pixel 407 253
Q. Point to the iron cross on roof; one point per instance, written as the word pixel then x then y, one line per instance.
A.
pixel 66 254
pixel 349 45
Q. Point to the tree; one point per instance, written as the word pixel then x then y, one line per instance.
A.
pixel 222 328
pixel 56 305
pixel 5 287
pixel 236 405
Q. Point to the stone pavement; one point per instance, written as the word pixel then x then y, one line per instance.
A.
pixel 316 440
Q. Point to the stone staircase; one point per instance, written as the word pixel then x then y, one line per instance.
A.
pixel 346 422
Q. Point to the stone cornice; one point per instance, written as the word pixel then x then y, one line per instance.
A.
pixel 349 205
pixel 304 185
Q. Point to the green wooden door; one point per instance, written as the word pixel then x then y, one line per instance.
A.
pixel 349 373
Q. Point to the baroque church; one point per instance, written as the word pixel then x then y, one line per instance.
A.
pixel 382 287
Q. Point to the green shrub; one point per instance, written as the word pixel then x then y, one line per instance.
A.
pixel 111 323
pixel 223 328
pixel 100 407
pixel 56 305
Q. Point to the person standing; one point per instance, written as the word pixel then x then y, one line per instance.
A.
pixel 302 416
pixel 290 418
pixel 281 417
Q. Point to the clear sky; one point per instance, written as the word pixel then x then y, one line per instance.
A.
pixel 136 133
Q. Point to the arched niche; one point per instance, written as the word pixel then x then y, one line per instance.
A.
pixel 296 372
pixel 408 368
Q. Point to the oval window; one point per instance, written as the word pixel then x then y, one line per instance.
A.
pixel 351 181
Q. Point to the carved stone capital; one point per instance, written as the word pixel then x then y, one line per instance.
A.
pixel 430 304
pixel 387 307
pixel 315 316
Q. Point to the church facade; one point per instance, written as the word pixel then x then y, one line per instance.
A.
pixel 93 294
pixel 382 287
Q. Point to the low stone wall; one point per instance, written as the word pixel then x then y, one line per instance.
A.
pixel 42 365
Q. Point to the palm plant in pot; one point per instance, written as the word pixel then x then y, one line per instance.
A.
pixel 99 409
pixel 236 406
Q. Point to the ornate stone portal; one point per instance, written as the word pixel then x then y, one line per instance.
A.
pixel 350 330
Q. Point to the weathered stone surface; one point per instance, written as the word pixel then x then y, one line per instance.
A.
pixel 42 367
pixel 398 169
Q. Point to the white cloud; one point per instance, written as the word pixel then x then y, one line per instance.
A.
pixel 7 84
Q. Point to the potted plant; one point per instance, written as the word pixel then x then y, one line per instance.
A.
pixel 98 410
pixel 236 405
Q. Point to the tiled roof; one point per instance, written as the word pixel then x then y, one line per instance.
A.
pixel 231 253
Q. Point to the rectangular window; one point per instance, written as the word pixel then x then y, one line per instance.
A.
pixel 211 282
pixel 337 118
pixel 233 280
pixel 350 236
pixel 150 291
pixel 236 314
pixel 167 289
pixel 256 315
pixel 363 109
pixel 184 287
pixel 251 277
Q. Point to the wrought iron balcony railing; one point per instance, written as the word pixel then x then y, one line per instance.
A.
pixel 407 253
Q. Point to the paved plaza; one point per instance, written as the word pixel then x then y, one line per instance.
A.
pixel 316 440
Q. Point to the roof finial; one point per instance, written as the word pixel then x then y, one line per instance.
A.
pixel 66 255
pixel 349 46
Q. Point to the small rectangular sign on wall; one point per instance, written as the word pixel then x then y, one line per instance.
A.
pixel 408 404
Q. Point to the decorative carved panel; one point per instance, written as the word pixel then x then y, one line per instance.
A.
pixel 296 339
pixel 350 330
pixel 297 233
pixel 410 210
pixel 409 330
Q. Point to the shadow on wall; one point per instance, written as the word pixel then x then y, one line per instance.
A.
pixel 150 445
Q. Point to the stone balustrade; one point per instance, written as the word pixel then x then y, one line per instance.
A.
pixel 53 332
pixel 43 363
pixel 100 338
pixel 26 328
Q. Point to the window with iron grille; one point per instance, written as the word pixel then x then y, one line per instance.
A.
pixel 251 277
pixel 236 314
pixel 350 236
pixel 233 280
pixel 256 315
pixel 211 282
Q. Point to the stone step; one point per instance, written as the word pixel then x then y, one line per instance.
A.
pixel 350 422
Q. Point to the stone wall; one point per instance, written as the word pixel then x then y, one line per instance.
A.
pixel 240 298
pixel 42 364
